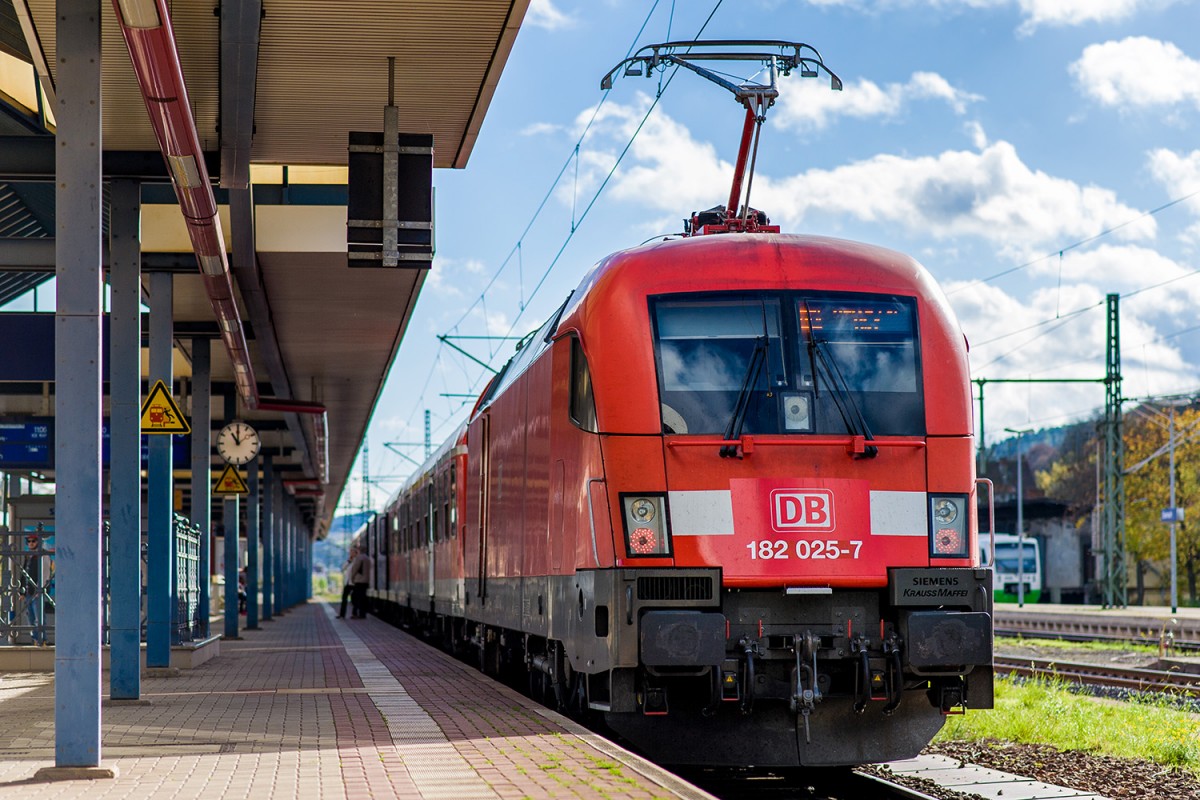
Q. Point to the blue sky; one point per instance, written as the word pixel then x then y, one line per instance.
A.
pixel 1033 137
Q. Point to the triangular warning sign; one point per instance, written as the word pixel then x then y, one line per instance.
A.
pixel 160 414
pixel 231 482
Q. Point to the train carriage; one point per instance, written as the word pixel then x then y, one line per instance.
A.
pixel 724 497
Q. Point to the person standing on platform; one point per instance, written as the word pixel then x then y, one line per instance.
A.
pixel 31 589
pixel 347 586
pixel 360 578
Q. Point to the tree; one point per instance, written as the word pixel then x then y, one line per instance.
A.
pixel 1147 487
pixel 1071 476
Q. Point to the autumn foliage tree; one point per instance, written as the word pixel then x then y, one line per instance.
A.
pixel 1147 488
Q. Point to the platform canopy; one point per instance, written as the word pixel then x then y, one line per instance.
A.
pixel 275 89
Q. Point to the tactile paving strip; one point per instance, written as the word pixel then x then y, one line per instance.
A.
pixel 437 768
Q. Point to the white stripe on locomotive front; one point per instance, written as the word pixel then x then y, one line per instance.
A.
pixel 710 513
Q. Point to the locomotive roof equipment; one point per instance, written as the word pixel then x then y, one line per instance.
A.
pixel 779 58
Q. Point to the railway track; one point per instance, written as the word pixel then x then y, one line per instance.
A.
pixel 1177 633
pixel 799 784
pixel 1133 679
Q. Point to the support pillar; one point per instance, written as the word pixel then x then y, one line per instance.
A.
pixel 231 567
pixel 308 564
pixel 160 603
pixel 202 470
pixel 268 524
pixel 125 443
pixel 290 531
pixel 252 528
pixel 78 389
pixel 280 555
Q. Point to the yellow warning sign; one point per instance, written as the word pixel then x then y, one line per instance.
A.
pixel 231 482
pixel 160 414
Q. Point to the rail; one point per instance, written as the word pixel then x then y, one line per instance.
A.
pixel 1134 679
pixel 1172 633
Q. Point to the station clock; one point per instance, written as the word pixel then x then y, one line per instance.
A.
pixel 238 443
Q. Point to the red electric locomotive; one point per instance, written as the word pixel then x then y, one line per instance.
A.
pixel 725 496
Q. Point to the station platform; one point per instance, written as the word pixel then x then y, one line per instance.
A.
pixel 310 706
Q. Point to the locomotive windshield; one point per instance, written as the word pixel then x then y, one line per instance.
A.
pixel 788 362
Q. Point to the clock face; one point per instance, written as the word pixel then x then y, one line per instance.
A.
pixel 238 443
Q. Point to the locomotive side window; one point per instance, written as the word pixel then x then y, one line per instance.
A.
pixel 583 402
pixel 792 362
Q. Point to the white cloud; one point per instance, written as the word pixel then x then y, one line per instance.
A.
pixel 538 128
pixel 495 323
pixel 445 279
pixel 978 135
pixel 544 14
pixel 1069 347
pixel 990 194
pixel 1125 267
pixel 1180 175
pixel 1078 12
pixel 810 104
pixel 1138 72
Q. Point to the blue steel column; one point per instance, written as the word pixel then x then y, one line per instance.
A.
pixel 252 528
pixel 285 551
pixel 295 530
pixel 289 534
pixel 231 567
pixel 78 388
pixel 308 564
pixel 202 469
pixel 280 551
pixel 125 442
pixel 159 496
pixel 268 526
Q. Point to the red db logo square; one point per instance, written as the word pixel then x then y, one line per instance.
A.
pixel 802 510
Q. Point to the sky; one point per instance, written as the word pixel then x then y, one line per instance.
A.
pixel 1034 155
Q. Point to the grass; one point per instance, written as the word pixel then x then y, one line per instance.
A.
pixel 1047 712
pixel 1063 644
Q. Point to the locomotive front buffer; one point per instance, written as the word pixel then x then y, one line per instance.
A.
pixel 827 656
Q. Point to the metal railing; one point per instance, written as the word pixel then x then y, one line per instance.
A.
pixel 27 585
pixel 188 574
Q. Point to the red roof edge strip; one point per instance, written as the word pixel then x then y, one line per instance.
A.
pixel 146 28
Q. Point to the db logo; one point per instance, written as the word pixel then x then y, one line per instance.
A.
pixel 802 510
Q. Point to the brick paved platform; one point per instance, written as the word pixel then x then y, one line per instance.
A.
pixel 313 706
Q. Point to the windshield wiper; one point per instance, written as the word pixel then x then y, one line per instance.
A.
pixel 843 399
pixel 733 430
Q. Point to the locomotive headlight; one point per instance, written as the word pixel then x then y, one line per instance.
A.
pixel 642 509
pixel 646 531
pixel 948 532
pixel 944 511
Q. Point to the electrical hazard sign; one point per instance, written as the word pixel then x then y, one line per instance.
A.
pixel 231 482
pixel 160 413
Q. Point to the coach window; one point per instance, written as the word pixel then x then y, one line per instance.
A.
pixel 583 402
pixel 453 504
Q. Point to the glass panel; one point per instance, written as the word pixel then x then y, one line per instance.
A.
pixel 1006 559
pixel 583 403
pixel 810 362
pixel 707 351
